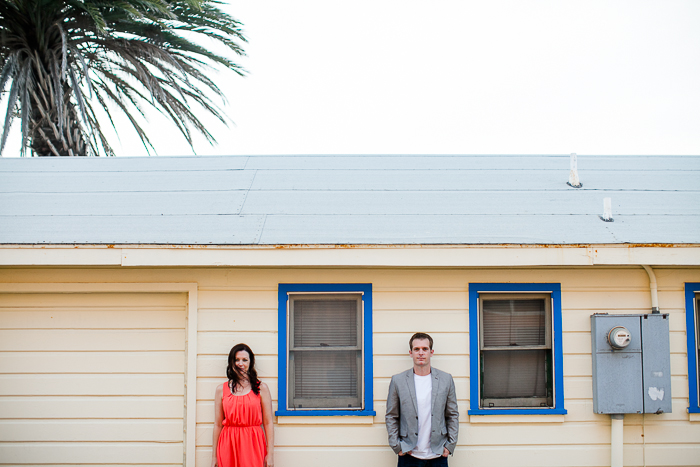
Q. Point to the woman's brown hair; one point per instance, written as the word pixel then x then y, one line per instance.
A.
pixel 233 373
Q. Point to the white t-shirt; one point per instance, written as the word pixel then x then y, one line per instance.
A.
pixel 424 396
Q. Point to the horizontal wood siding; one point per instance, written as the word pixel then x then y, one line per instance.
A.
pixel 240 305
pixel 89 378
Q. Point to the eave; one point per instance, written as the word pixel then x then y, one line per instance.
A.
pixel 339 256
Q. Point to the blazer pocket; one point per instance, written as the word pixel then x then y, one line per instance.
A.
pixel 443 430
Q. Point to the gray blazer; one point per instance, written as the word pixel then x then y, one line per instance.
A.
pixel 402 413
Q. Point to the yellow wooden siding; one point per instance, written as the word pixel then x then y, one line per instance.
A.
pixel 241 305
pixel 92 378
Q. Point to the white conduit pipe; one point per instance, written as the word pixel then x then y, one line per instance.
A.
pixel 653 288
pixel 617 424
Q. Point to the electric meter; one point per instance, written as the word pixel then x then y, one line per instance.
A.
pixel 619 337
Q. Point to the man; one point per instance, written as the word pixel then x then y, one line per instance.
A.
pixel 422 419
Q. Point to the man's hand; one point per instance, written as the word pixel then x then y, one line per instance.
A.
pixel 445 452
pixel 401 453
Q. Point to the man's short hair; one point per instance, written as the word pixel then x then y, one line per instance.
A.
pixel 420 335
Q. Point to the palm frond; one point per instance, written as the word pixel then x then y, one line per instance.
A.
pixel 11 101
pixel 62 60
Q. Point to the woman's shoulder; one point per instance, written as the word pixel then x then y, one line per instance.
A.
pixel 264 387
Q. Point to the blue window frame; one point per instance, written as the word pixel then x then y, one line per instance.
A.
pixel 515 328
pixel 692 316
pixel 314 348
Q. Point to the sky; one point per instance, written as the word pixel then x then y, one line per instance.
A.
pixel 597 77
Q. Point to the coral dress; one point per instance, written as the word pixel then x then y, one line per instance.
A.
pixel 242 439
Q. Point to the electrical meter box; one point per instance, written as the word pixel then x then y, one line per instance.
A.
pixel 631 363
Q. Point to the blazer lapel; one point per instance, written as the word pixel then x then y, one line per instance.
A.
pixel 412 389
pixel 436 387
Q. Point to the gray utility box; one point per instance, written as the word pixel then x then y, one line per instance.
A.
pixel 631 363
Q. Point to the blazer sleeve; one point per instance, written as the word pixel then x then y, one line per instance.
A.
pixel 452 418
pixel 393 412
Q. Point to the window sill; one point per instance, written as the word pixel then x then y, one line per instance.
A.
pixel 505 419
pixel 480 412
pixel 325 418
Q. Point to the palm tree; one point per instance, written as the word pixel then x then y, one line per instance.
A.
pixel 63 63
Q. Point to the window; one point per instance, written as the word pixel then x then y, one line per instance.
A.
pixel 515 349
pixel 692 317
pixel 325 349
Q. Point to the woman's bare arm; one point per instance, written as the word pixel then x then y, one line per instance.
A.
pixel 266 401
pixel 218 420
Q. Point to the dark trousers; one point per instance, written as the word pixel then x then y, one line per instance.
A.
pixel 410 461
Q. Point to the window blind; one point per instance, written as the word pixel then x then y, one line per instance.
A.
pixel 325 323
pixel 519 322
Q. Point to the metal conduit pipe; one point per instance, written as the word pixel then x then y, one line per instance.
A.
pixel 653 288
pixel 617 424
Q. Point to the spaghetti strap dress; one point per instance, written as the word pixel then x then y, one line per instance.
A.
pixel 242 439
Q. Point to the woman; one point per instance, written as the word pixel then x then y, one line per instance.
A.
pixel 243 434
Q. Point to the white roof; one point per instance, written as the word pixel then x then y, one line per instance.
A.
pixel 383 199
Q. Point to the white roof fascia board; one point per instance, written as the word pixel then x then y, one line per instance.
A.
pixel 51 256
pixel 354 256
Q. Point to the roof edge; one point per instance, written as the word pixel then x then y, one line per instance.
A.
pixel 449 256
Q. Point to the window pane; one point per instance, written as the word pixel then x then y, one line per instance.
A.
pixel 325 323
pixel 326 374
pixel 514 373
pixel 514 322
pixel 325 352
